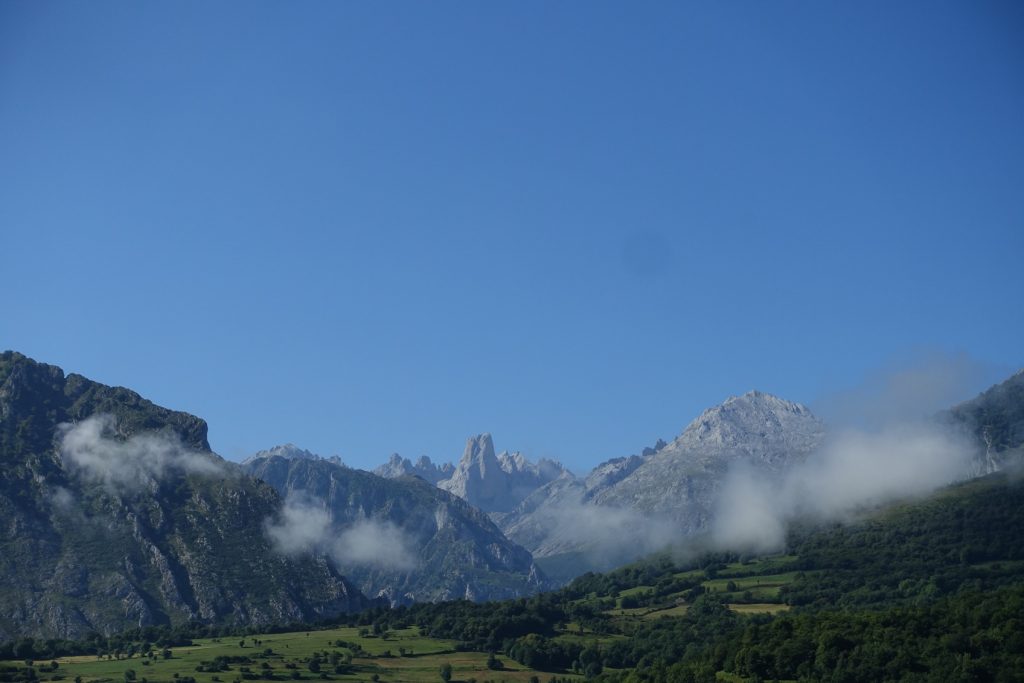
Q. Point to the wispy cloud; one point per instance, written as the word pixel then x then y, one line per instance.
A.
pixel 607 535
pixel 90 449
pixel 884 445
pixel 304 525
pixel 908 392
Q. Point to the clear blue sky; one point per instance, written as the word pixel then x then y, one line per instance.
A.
pixel 376 227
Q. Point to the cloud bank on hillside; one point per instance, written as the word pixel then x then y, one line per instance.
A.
pixel 90 449
pixel 854 470
pixel 305 526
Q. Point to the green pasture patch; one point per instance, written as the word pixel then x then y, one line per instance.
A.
pixel 751 583
pixel 675 611
pixel 758 608
pixel 289 656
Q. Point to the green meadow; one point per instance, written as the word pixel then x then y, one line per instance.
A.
pixel 750 587
pixel 341 654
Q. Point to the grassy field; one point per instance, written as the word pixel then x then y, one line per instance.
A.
pixel 758 608
pixel 755 590
pixel 760 588
pixel 397 656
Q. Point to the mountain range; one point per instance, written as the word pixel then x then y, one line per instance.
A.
pixel 630 506
pixel 115 512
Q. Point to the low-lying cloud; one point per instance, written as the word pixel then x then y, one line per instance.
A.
pixel 854 470
pixel 908 392
pixel 607 535
pixel 90 449
pixel 305 526
pixel 374 543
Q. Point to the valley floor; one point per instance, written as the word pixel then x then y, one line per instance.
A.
pixel 400 656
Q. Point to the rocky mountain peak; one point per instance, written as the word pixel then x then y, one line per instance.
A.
pixel 680 481
pixel 426 464
pixel 288 451
pixel 754 422
pixel 512 462
pixel 397 466
pixel 496 483
pixel 479 452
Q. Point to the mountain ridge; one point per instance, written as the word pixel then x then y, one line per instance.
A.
pixel 455 550
pixel 108 502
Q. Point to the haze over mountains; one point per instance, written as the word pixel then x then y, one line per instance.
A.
pixel 115 512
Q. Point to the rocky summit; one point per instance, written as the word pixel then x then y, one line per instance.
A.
pixel 497 483
pixel 758 430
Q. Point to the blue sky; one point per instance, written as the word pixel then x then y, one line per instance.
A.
pixel 377 227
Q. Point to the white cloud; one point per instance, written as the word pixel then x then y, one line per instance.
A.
pixel 89 448
pixel 305 526
pixel 854 470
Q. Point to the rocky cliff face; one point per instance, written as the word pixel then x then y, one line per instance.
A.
pixel 114 514
pixel 428 544
pixel 497 483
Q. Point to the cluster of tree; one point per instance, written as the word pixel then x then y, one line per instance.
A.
pixel 546 654
pixel 488 627
pixel 222 663
pixel 967 637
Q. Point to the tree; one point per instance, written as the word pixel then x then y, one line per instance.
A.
pixel 446 672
